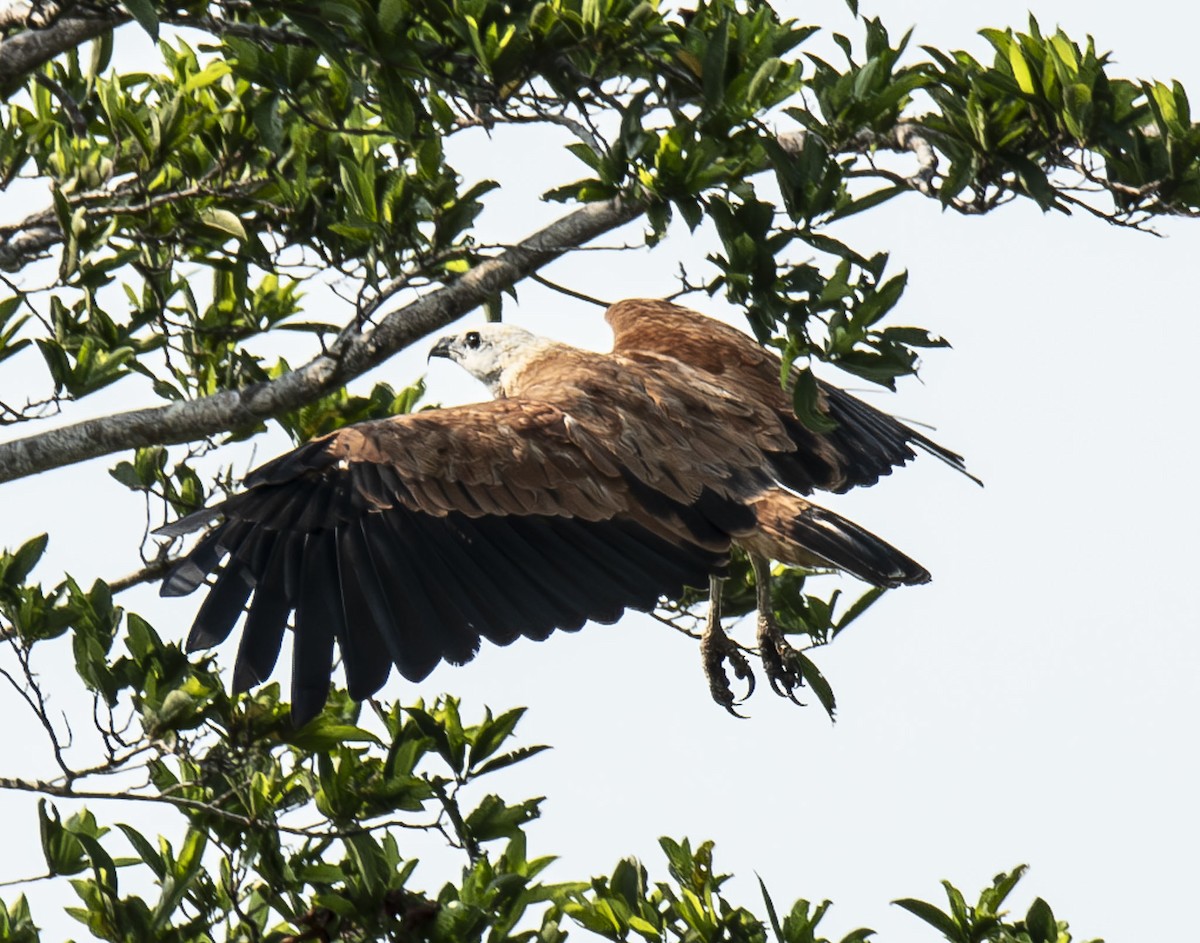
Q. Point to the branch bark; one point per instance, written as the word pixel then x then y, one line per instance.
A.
pixel 28 50
pixel 351 356
pixel 29 239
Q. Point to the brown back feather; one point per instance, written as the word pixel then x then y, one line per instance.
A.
pixel 865 445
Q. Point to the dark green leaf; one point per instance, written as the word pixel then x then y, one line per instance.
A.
pixel 143 11
pixel 715 58
pixel 771 915
pixel 25 559
pixel 815 680
pixel 806 399
pixel 940 921
pixel 1040 922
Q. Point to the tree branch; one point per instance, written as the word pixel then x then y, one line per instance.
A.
pixel 68 791
pixel 29 239
pixel 222 27
pixel 32 48
pixel 147 574
pixel 904 137
pixel 351 356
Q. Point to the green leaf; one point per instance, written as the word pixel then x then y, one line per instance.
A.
pixel 1040 922
pixel 815 680
pixel 859 606
pixel 935 918
pixel 1020 68
pixel 323 733
pixel 881 301
pixel 143 11
pixel 213 72
pixel 62 850
pixel 806 400
pixel 715 58
pixel 867 202
pixel 223 221
pixel 24 560
pixel 10 349
pixel 145 850
pixel 763 76
pixel 492 734
pixel 1003 884
pixel 494 818
pixel 508 759
pixel 391 14
pixel 913 336
pixel 771 915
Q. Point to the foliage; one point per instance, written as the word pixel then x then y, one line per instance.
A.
pixel 192 209
pixel 244 870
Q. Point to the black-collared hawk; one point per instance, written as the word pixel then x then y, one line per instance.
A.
pixel 591 484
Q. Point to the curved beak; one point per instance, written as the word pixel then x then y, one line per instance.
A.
pixel 441 349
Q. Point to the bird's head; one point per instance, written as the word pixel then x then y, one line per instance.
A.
pixel 488 351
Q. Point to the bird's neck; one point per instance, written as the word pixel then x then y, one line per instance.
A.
pixel 515 372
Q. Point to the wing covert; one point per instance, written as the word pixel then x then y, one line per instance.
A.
pixel 406 541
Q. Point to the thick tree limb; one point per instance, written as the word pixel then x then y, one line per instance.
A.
pixel 29 239
pixel 32 48
pixel 352 355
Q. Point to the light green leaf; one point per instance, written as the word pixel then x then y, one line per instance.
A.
pixel 1020 68
pixel 224 221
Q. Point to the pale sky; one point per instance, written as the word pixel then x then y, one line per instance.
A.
pixel 1035 703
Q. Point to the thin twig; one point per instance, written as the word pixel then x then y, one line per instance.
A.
pixel 569 292
pixel 66 791
pixel 147 574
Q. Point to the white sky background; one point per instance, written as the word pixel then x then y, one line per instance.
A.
pixel 1035 703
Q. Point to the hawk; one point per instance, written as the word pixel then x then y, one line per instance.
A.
pixel 592 483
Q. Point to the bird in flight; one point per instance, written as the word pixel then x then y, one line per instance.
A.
pixel 591 483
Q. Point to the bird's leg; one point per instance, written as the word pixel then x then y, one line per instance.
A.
pixel 717 648
pixel 778 657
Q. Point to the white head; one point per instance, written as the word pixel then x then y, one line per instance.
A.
pixel 489 351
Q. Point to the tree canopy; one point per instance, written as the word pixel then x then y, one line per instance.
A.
pixel 188 212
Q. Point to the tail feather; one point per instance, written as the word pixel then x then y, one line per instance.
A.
pixel 791 530
pixel 881 441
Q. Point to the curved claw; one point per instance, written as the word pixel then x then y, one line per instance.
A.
pixel 717 651
pixel 779 662
pixel 741 671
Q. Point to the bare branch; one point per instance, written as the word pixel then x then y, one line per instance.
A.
pixel 578 128
pixel 904 136
pixel 907 136
pixel 353 354
pixel 569 292
pixel 68 791
pixel 222 27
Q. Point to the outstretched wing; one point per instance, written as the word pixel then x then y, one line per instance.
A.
pixel 407 540
pixel 866 444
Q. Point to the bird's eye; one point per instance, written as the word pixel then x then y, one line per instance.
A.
pixel 472 339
